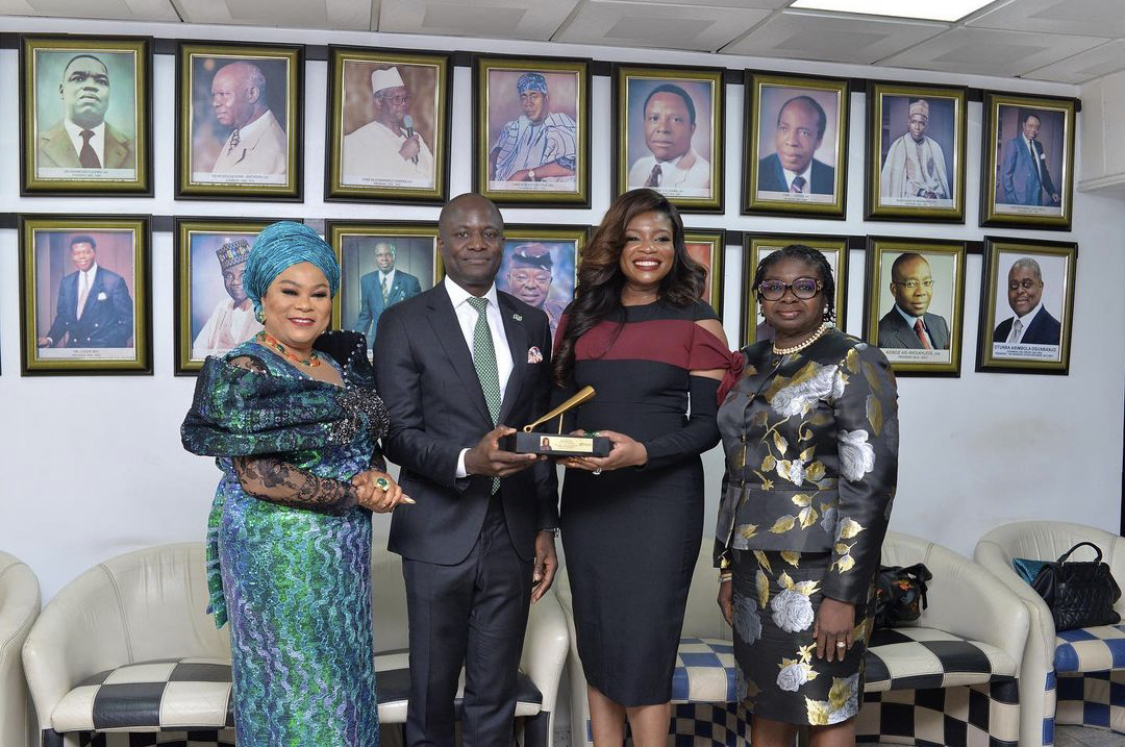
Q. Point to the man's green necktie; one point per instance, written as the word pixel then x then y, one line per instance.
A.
pixel 484 360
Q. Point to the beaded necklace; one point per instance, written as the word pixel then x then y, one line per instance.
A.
pixel 801 346
pixel 271 342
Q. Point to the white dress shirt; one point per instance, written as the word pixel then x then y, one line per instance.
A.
pixel 97 140
pixel 911 320
pixel 1015 336
pixel 467 320
pixel 791 175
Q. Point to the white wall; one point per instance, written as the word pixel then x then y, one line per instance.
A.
pixel 92 466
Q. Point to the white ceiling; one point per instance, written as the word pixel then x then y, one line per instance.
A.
pixel 1066 41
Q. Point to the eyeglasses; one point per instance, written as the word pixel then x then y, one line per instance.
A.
pixel 396 100
pixel 1026 284
pixel 803 288
pixel 913 285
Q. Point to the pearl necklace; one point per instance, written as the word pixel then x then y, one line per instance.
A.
pixel 271 342
pixel 801 346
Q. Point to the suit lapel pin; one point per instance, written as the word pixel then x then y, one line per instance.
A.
pixel 517 317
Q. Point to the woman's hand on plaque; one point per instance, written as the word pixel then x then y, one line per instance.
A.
pixel 624 452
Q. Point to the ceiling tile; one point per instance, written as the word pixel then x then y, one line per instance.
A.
pixel 974 51
pixel 492 19
pixel 655 24
pixel 1103 60
pixel 133 10
pixel 1102 18
pixel 349 15
pixel 760 4
pixel 832 38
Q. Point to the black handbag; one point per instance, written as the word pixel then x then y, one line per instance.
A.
pixel 1079 593
pixel 900 594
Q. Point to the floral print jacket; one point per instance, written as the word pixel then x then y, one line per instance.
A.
pixel 811 442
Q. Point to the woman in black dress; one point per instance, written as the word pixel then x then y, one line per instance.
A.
pixel 811 438
pixel 632 522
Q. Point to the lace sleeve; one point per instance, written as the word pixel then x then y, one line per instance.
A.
pixel 272 479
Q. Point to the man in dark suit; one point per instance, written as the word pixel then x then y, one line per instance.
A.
pixel 454 365
pixel 383 288
pixel 1032 324
pixel 83 139
pixel 94 309
pixel 1023 169
pixel 908 324
pixel 792 168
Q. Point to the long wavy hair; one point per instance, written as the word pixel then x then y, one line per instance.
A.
pixel 597 296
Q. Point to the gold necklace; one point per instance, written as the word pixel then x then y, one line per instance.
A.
pixel 271 342
pixel 801 346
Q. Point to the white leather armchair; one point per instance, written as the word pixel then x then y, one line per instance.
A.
pixel 139 607
pixel 19 606
pixel 1052 661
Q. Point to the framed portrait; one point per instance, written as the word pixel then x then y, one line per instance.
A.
pixel 796 146
pixel 758 246
pixel 540 266
pixel 381 264
pixel 86 115
pixel 238 121
pixel 669 134
pixel 213 314
pixel 915 293
pixel 1027 306
pixel 85 303
pixel 916 153
pixel 388 115
pixel 532 130
pixel 708 248
pixel 1027 161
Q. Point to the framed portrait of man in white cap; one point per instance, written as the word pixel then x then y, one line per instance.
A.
pixel 213 313
pixel 388 115
pixel 916 168
pixel 532 130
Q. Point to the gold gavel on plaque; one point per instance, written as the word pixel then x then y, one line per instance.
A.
pixel 584 395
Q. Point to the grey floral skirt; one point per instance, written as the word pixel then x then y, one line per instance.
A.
pixel 776 597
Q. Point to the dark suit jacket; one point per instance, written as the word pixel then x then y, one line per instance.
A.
pixel 771 177
pixel 424 373
pixel 107 318
pixel 371 306
pixel 894 332
pixel 56 150
pixel 1020 178
pixel 1043 330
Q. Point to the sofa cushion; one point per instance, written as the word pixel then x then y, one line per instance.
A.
pixel 195 693
pixel 1092 649
pixel 705 671
pixel 917 658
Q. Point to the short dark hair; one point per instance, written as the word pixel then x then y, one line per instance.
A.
pixel 812 257
pixel 1026 113
pixel 821 117
pixel 84 239
pixel 674 89
pixel 87 56
pixel 902 259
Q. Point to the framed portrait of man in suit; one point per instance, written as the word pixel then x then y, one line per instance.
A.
pixel 1027 306
pixel 796 149
pixel 388 126
pixel 540 266
pixel 238 123
pixel 708 246
pixel 532 130
pixel 913 305
pixel 381 264
pixel 758 246
pixel 1027 161
pixel 85 300
pixel 86 122
pixel 213 314
pixel 915 153
pixel 668 134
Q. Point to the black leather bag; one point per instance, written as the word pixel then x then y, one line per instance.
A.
pixel 900 594
pixel 1079 593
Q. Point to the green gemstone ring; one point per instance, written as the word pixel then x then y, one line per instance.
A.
pixel 383 484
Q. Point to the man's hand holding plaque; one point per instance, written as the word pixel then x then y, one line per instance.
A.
pixel 489 458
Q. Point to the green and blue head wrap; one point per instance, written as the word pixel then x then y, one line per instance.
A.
pixel 280 246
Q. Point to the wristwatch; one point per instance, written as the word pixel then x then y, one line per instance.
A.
pixel 531 175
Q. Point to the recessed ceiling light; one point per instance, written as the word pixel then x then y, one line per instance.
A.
pixel 946 10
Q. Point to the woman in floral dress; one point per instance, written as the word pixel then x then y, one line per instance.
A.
pixel 810 432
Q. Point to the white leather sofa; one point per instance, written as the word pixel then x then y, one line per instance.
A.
pixel 137 623
pixel 1068 677
pixel 19 606
pixel 955 669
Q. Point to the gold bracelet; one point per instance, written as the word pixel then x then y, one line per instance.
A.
pixel 724 577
